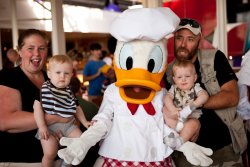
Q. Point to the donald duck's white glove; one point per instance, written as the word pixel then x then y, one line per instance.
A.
pixel 196 154
pixel 77 148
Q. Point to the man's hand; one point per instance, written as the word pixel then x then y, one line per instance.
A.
pixel 196 154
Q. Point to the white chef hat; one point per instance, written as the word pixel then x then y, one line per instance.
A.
pixel 244 73
pixel 152 24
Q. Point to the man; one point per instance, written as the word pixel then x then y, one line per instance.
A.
pixel 13 56
pixel 92 72
pixel 213 133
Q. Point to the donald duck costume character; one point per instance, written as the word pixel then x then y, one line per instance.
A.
pixel 130 120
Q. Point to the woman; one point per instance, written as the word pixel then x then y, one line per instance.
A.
pixel 18 89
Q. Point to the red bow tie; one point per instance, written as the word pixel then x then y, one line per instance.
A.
pixel 149 108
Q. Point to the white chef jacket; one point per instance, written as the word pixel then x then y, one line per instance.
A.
pixel 137 137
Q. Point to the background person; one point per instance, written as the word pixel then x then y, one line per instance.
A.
pixel 76 58
pixel 57 98
pixel 182 102
pixel 13 57
pixel 108 58
pixel 223 97
pixel 243 107
pixel 92 73
pixel 19 87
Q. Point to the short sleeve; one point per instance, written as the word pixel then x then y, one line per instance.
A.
pixel 171 91
pixel 224 71
pixel 198 88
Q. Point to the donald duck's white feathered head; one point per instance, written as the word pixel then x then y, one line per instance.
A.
pixel 140 57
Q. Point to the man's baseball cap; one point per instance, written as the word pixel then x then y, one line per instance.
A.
pixel 190 24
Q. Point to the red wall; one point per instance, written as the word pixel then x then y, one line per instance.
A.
pixel 204 11
pixel 236 40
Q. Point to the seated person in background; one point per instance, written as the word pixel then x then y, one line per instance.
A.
pixel 182 101
pixel 57 98
pixel 13 57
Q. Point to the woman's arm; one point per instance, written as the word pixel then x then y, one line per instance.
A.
pixel 12 118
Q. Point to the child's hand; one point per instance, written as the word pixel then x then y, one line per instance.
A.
pixel 171 116
pixel 174 113
pixel 87 124
pixel 193 105
pixel 44 133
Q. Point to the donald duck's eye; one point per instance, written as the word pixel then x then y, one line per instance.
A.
pixel 155 60
pixel 125 58
pixel 129 63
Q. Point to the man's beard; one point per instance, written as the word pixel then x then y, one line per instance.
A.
pixel 189 56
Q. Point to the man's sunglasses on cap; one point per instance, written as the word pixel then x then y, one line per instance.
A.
pixel 190 22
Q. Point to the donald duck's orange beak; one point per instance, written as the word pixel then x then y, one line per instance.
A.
pixel 138 86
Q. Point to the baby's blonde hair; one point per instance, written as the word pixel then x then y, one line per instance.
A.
pixel 59 59
pixel 183 63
